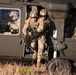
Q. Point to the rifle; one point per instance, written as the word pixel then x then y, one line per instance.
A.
pixel 27 37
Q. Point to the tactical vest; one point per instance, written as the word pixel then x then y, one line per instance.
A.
pixel 32 27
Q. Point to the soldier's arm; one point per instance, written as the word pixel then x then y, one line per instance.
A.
pixel 15 25
pixel 25 27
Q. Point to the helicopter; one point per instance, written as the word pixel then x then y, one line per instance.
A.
pixel 62 49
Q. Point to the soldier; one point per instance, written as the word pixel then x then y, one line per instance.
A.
pixel 43 23
pixel 34 8
pixel 14 27
pixel 74 24
pixel 28 29
pixel 74 35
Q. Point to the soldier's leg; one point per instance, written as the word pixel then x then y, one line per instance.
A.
pixel 33 45
pixel 40 51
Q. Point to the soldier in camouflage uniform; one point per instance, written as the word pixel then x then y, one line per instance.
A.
pixel 14 27
pixel 74 35
pixel 74 24
pixel 34 8
pixel 43 23
pixel 28 29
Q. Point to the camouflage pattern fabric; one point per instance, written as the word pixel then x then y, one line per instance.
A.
pixel 74 36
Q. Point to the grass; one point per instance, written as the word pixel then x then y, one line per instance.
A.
pixel 18 69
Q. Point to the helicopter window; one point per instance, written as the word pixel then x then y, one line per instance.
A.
pixel 70 24
pixel 9 21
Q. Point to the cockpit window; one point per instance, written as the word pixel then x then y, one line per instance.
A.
pixel 9 21
pixel 70 24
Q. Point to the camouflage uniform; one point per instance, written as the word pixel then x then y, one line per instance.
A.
pixel 32 23
pixel 43 24
pixel 74 36
pixel 34 8
pixel 14 27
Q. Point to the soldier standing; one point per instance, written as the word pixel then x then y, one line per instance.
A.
pixel 14 27
pixel 28 29
pixel 43 23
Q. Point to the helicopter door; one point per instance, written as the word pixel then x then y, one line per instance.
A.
pixel 10 34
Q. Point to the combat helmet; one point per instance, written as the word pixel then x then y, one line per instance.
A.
pixel 33 14
pixel 43 12
pixel 13 13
